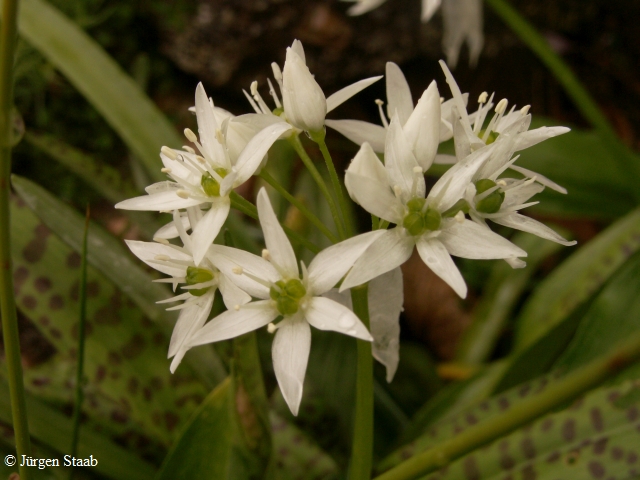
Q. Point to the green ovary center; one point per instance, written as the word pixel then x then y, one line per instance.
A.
pixel 210 185
pixel 418 220
pixel 492 202
pixel 197 275
pixel 491 138
pixel 287 295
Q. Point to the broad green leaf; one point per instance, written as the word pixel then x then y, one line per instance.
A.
pixel 577 279
pixel 612 316
pixel 100 79
pixel 109 255
pixel 595 438
pixel 125 362
pixel 53 429
pixel 503 290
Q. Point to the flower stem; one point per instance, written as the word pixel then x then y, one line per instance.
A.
pixel 299 205
pixel 319 137
pixel 249 209
pixel 362 447
pixel 304 156
pixel 576 91
pixel 8 34
pixel 565 390
pixel 77 408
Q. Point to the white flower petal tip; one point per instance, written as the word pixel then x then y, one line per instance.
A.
pixel 326 314
pixel 341 96
pixel 280 250
pixel 290 353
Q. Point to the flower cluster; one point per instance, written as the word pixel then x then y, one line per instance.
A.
pixel 276 291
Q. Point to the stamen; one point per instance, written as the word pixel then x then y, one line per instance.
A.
pixel 502 183
pixel 236 307
pixel 483 97
pixel 190 135
pixel 277 73
pixel 220 137
pixel 459 216
pixel 441 100
pixel 182 194
pixel 237 270
pixel 416 178
pixel 502 106
pixel 200 158
pixel 253 104
pixel 187 148
pixel 165 170
pixel 272 327
pixel 163 241
pixel 524 110
pixel 254 88
pixel 265 254
pixel 163 258
pixel 273 94
pixel 169 152
pixel 397 190
pixel 385 123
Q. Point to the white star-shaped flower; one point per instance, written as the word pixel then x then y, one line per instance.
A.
pixel 435 225
pixel 283 292
pixel 206 179
pixel 201 283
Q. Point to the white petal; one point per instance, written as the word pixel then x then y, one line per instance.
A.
pixel 470 240
pixel 226 259
pixel 162 187
pixel 304 103
pixel 399 99
pixel 526 224
pixel 388 252
pixel 333 262
pixel 325 314
pixel 437 258
pixel 278 244
pixel 207 229
pixel 346 93
pixel 359 132
pixel 386 297
pixel 364 6
pixel 170 230
pixel 429 7
pixel 191 319
pixel 148 251
pixel 207 126
pixel 297 47
pixel 234 323
pixel 458 99
pixel 532 137
pixel 256 149
pixel 462 21
pixel 290 354
pixel 400 162
pixel 159 202
pixel 231 294
pixel 423 127
pixel 443 159
pixel 539 178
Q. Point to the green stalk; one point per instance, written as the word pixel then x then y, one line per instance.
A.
pixel 299 205
pixel 565 390
pixel 249 209
pixel 304 156
pixel 362 446
pixel 319 137
pixel 77 408
pixel 8 33
pixel 576 91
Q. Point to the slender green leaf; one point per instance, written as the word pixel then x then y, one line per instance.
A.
pixel 101 80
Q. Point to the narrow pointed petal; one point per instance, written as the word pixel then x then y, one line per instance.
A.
pixel 364 6
pixel 148 251
pixel 429 7
pixel 444 159
pixel 226 259
pixel 304 103
pixel 532 137
pixel 234 323
pixel 232 295
pixel 462 21
pixel 400 161
pixel 399 99
pixel 526 224
pixel 207 229
pixel 388 252
pixel 333 262
pixel 470 240
pixel 158 202
pixel 386 297
pixel 434 254
pixel 539 178
pixel 191 319
pixel 326 314
pixel 360 132
pixel 423 127
pixel 290 354
pixel 256 149
pixel 207 126
pixel 346 93
pixel 278 244
pixel 458 99
pixel 170 231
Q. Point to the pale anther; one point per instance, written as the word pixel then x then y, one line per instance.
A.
pixel 187 148
pixel 165 170
pixel 441 99
pixel 220 137
pixel 265 254
pixel 182 194
pixel 459 217
pixel 163 241
pixel 502 106
pixel 277 73
pixel 254 88
pixel 200 158
pixel 190 135
pixel 236 307
pixel 379 102
pixel 163 258
pixel 502 183
pixel 417 170
pixel 397 190
pixel 483 97
pixel 271 328
pixel 524 110
pixel 169 152
pixel 237 270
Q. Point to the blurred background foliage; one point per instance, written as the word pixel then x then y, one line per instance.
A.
pixel 566 308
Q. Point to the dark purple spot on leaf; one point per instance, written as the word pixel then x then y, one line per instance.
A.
pixel 613 396
pixel 93 289
pixel 55 333
pixel 113 358
pixel 42 284
pixel 74 260
pixel 88 330
pixel 133 347
pixel 617 453
pixel 528 473
pixel 524 390
pixel 503 403
pixel 44 320
pixel 56 302
pixel 528 448
pixel 577 404
pixel 20 274
pixel 34 250
pixel 470 467
pixel 632 413
pixel 547 424
pixel 158 339
pixel 600 445
pixel 156 383
pixel 171 420
pixel 596 469
pixel 596 419
pixel 29 302
pixel 147 394
pixel 119 417
pixel 506 461
pixel 484 406
pixel 471 419
pixel 553 457
pixel 101 373
pixel 632 457
pixel 569 430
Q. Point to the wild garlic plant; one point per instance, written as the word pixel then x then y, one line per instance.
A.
pixel 277 292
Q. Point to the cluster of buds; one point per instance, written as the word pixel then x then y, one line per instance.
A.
pixel 276 291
